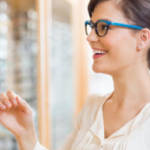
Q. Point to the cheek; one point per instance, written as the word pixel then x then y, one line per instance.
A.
pixel 121 47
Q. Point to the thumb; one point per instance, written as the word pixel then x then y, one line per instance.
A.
pixel 23 105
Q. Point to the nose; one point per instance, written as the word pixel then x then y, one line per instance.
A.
pixel 92 37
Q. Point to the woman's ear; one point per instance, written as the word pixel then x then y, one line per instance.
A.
pixel 143 39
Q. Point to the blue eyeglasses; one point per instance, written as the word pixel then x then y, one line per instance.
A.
pixel 102 26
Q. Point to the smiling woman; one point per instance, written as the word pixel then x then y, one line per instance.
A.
pixel 120 120
pixel 136 13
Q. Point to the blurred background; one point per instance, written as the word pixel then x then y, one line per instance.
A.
pixel 67 73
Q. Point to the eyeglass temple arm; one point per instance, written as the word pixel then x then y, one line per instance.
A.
pixel 126 25
pixel 119 24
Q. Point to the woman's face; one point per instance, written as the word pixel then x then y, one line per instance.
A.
pixel 120 43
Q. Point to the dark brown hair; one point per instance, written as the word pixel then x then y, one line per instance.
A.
pixel 137 11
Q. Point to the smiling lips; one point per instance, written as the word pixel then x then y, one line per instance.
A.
pixel 97 53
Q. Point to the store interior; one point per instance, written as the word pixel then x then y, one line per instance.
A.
pixel 70 77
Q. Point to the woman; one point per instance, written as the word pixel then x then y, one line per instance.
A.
pixel 120 40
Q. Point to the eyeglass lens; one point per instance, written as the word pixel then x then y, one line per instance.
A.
pixel 101 28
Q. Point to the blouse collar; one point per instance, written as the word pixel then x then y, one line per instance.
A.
pixel 97 128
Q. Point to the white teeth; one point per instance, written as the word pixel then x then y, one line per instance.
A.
pixel 99 52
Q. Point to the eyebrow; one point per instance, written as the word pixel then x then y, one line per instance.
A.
pixel 102 19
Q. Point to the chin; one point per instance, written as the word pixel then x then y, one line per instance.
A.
pixel 98 69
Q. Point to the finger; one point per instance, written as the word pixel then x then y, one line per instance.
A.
pixel 12 98
pixel 2 98
pixel 21 102
pixel 24 105
pixel 2 106
pixel 5 101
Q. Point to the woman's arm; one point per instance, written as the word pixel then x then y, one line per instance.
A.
pixel 16 116
pixel 27 142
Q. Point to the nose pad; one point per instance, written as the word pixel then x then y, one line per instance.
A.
pixel 92 37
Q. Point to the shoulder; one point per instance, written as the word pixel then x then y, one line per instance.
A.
pixel 91 107
pixel 94 101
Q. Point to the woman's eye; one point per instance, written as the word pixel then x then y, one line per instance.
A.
pixel 104 27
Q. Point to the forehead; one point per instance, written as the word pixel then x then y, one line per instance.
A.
pixel 108 10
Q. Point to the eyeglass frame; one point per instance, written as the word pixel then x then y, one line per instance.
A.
pixel 109 23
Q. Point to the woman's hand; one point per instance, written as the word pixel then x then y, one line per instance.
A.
pixel 16 116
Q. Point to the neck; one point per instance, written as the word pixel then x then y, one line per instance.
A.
pixel 131 86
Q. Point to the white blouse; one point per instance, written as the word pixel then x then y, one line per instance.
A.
pixel 89 130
